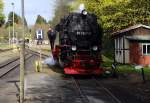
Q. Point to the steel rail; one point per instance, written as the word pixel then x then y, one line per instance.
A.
pixel 107 91
pixel 83 97
pixel 9 62
pixel 37 53
pixel 14 67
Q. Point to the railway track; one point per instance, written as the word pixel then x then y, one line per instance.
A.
pixel 17 58
pixel 82 96
pixel 37 53
pixel 8 62
pixel 110 94
pixel 12 65
pixel 93 91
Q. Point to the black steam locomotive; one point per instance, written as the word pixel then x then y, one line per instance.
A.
pixel 79 44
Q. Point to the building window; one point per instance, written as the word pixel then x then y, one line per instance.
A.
pixel 118 43
pixel 146 49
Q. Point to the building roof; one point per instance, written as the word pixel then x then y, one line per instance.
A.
pixel 139 37
pixel 131 28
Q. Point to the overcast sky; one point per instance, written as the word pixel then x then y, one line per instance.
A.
pixel 33 8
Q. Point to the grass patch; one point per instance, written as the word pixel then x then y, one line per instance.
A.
pixel 107 63
pixel 4 46
pixel 131 69
pixel 46 49
pixel 126 69
pixel 147 70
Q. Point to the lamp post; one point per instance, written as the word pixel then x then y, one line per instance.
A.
pixel 9 31
pixel 13 7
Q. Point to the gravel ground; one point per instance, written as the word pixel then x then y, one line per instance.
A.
pixel 131 84
pixel 51 87
pixel 48 89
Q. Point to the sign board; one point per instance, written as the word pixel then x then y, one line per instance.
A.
pixel 39 34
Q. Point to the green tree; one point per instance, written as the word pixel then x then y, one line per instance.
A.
pixel 2 17
pixel 118 14
pixel 17 20
pixel 40 20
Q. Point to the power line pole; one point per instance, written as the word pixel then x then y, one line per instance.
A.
pixel 13 21
pixel 22 57
pixel 9 32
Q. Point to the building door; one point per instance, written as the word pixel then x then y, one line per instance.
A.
pixel 134 52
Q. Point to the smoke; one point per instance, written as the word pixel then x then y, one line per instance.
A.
pixel 78 7
pixel 81 7
pixel 50 61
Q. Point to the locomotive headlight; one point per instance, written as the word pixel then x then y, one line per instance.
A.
pixel 95 48
pixel 84 12
pixel 74 48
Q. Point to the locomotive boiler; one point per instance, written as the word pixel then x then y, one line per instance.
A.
pixel 80 39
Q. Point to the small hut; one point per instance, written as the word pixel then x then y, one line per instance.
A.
pixel 132 45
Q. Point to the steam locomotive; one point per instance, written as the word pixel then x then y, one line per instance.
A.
pixel 79 44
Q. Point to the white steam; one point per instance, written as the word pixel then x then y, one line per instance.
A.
pixel 50 61
pixel 81 7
